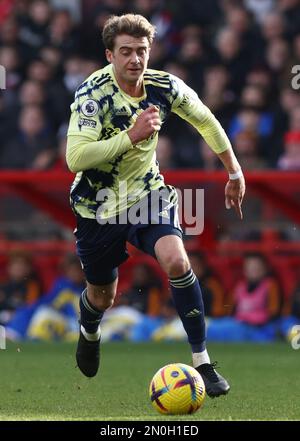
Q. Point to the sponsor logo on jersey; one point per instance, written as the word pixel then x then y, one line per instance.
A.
pixel 87 122
pixel 123 111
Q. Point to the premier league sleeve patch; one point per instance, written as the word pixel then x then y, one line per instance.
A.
pixel 89 107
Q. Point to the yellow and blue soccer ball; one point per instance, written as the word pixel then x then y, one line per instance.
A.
pixel 177 389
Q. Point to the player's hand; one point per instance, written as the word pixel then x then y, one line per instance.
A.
pixel 145 125
pixel 234 194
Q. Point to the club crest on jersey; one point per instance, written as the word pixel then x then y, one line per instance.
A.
pixel 89 107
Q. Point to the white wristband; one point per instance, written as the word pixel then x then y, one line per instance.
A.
pixel 237 175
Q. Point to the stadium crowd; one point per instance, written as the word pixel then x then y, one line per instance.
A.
pixel 236 54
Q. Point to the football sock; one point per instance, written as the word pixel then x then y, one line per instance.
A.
pixel 200 358
pixel 188 301
pixel 91 337
pixel 90 318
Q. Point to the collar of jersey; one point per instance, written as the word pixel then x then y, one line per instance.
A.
pixel 135 99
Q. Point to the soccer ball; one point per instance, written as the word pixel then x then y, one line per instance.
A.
pixel 177 389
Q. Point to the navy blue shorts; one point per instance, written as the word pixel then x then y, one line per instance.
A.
pixel 102 248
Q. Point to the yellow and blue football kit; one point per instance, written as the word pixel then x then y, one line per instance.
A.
pixel 112 175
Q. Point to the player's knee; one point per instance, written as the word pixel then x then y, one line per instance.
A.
pixel 176 266
pixel 107 303
pixel 103 302
pixel 102 298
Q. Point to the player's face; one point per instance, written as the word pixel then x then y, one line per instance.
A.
pixel 130 58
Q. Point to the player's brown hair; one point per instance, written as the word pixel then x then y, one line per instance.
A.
pixel 134 25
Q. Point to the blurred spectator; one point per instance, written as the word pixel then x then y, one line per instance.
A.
pixel 55 315
pixel 33 27
pixel 257 299
pixel 58 96
pixel 95 14
pixel 256 303
pixel 53 57
pixel 290 159
pixel 232 55
pixel 246 147
pixel 291 11
pixel 90 65
pixel 21 286
pixel 217 95
pixel 261 78
pixel 34 146
pixel 32 93
pixel 260 8
pixel 176 68
pixel 203 13
pixel 74 7
pixel 61 32
pixel 209 160
pixel 273 26
pixel 9 33
pixel 74 74
pixel 159 16
pixel 145 293
pixel 212 292
pixel 193 56
pixel 158 55
pixel 240 21
pixel 39 70
pixel 164 153
pixel 253 99
pixel 278 58
pixel 288 101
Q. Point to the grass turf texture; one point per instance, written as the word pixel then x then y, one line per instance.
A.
pixel 40 382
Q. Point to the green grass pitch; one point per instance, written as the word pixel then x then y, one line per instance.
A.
pixel 41 382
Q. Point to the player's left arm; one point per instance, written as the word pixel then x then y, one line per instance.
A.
pixel 188 106
pixel 235 187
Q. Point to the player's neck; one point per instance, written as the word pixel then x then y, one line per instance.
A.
pixel 132 89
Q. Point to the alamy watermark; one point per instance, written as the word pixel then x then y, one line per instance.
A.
pixel 295 333
pixel 165 206
pixel 2 77
pixel 2 338
pixel 296 79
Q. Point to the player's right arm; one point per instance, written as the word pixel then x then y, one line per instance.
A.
pixel 85 152
pixel 84 149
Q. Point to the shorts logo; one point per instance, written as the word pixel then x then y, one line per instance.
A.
pixel 87 122
pixel 194 313
pixel 90 108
